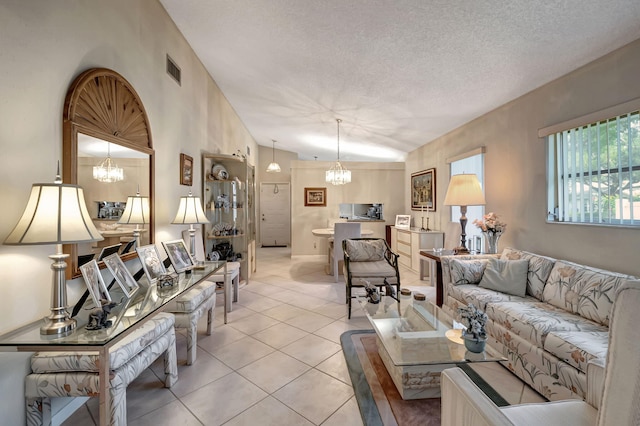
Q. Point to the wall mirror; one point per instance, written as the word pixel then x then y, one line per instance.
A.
pixel 104 118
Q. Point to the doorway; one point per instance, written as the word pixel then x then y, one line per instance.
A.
pixel 275 214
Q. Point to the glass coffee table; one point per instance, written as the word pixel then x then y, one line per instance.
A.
pixel 416 341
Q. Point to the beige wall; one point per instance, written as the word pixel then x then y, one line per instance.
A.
pixel 370 183
pixel 44 46
pixel 515 179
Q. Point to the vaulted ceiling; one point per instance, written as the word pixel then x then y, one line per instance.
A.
pixel 398 73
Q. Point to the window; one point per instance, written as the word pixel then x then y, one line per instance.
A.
pixel 594 172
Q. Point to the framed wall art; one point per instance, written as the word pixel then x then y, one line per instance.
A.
pixel 186 170
pixel 423 190
pixel 151 263
pixel 122 275
pixel 315 197
pixel 179 255
pixel 95 283
pixel 403 221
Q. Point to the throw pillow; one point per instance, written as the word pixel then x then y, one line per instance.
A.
pixel 506 276
pixel 467 271
pixel 365 250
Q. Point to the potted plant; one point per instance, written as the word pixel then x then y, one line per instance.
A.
pixel 475 336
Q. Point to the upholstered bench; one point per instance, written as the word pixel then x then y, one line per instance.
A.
pixel 71 374
pixel 189 307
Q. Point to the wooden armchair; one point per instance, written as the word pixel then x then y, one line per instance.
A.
pixel 372 260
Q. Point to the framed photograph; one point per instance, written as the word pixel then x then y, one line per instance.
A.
pixel 403 221
pixel 95 283
pixel 179 255
pixel 315 197
pixel 423 190
pixel 151 263
pixel 122 275
pixel 186 170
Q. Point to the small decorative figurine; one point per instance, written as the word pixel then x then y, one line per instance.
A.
pixel 98 316
pixel 373 296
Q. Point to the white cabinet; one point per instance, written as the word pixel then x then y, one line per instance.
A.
pixel 409 242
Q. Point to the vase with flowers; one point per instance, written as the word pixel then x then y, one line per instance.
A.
pixel 492 228
pixel 475 336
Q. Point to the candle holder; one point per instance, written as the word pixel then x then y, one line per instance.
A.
pixel 422 228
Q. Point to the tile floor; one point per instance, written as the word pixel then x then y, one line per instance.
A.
pixel 277 361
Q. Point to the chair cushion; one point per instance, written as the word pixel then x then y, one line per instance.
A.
pixel 371 269
pixel 120 353
pixel 506 276
pixel 365 250
pixel 192 298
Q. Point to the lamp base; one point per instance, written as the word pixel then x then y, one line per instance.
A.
pixel 59 323
pixel 461 250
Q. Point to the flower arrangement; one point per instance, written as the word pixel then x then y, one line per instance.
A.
pixel 474 319
pixel 490 223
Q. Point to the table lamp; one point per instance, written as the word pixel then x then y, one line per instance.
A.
pixel 136 212
pixel 190 212
pixel 464 190
pixel 55 214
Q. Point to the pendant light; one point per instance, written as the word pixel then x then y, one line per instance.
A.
pixel 338 175
pixel 273 167
pixel 108 171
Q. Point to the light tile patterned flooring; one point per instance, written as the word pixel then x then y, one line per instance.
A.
pixel 277 361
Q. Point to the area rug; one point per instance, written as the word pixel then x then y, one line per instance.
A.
pixel 378 399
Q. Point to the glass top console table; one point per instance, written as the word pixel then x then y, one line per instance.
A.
pixel 126 317
pixel 416 341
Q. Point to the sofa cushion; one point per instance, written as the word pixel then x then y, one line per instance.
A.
pixel 468 271
pixel 534 320
pixel 506 276
pixel 538 272
pixel 583 290
pixel 577 348
pixel 480 297
pixel 365 250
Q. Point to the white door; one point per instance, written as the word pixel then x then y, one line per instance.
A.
pixel 275 214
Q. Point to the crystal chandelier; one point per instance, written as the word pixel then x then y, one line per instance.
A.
pixel 273 167
pixel 337 174
pixel 108 171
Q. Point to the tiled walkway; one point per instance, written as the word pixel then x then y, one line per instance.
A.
pixel 278 361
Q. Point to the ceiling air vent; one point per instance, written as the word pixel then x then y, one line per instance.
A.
pixel 173 70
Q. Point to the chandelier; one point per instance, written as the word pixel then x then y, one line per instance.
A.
pixel 337 174
pixel 273 167
pixel 108 171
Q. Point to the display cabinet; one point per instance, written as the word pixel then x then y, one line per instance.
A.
pixel 228 198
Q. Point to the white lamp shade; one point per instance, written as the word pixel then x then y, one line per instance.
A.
pixel 55 214
pixel 190 211
pixel 136 211
pixel 464 190
pixel 273 168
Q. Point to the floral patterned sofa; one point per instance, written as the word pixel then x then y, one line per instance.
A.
pixel 552 328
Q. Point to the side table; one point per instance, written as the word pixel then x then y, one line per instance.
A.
pixel 435 270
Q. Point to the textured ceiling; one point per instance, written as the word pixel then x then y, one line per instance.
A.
pixel 398 73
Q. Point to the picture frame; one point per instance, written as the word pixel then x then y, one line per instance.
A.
pixel 122 275
pixel 315 197
pixel 186 170
pixel 179 255
pixel 423 190
pixel 151 263
pixel 95 283
pixel 403 221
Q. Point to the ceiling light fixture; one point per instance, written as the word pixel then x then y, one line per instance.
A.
pixel 338 175
pixel 107 171
pixel 273 167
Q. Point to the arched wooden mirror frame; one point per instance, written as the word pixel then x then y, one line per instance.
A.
pixel 102 104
